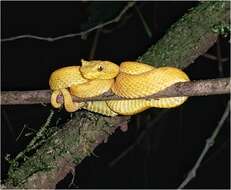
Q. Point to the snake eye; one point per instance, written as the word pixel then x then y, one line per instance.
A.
pixel 100 68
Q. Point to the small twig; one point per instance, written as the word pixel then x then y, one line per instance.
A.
pixel 107 30
pixel 191 88
pixel 209 143
pixel 83 33
pixel 32 145
pixel 146 27
pixel 94 45
pixel 40 133
pixel 20 134
pixel 214 58
pixel 73 177
pixel 216 153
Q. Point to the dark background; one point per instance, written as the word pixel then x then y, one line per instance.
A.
pixel 171 146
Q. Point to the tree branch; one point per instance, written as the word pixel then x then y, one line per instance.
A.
pixel 190 37
pixel 191 88
pixel 66 148
pixel 83 33
pixel 186 40
pixel 209 143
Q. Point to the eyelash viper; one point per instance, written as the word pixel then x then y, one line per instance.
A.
pixel 130 80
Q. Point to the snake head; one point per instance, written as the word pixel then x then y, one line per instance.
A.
pixel 99 69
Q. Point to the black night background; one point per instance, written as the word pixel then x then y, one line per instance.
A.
pixel 169 149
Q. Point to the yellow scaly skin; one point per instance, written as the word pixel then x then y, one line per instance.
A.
pixel 132 80
pixel 69 81
pixel 140 80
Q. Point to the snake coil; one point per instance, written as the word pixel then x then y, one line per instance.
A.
pixel 130 80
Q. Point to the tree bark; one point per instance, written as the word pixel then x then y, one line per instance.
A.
pixel 190 37
pixel 191 88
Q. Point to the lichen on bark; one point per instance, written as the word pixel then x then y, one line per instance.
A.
pixel 64 149
pixel 190 37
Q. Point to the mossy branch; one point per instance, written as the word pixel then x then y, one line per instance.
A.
pixel 190 37
pixel 66 148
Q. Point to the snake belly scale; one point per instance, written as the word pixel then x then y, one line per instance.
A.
pixel 129 80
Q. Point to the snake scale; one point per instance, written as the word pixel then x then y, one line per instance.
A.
pixel 129 80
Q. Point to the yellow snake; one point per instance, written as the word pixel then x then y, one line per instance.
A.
pixel 130 80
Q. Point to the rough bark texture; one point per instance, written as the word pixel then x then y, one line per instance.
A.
pixel 184 42
pixel 191 88
pixel 63 150
pixel 190 37
pixel 198 88
pixel 25 97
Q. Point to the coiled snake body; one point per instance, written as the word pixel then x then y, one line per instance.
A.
pixel 130 80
